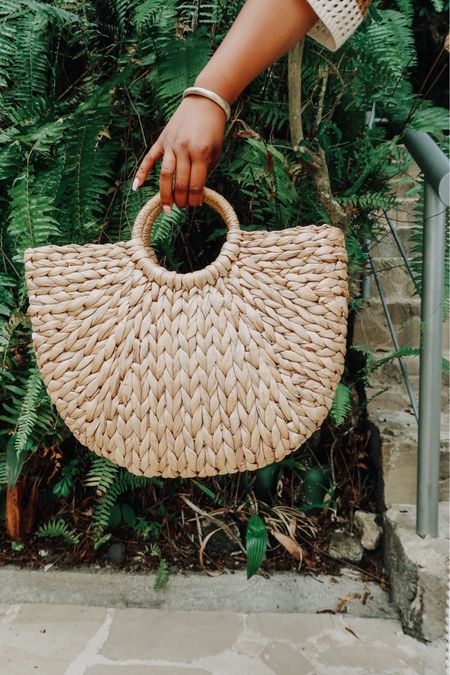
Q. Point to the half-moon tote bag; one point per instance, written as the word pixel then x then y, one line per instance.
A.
pixel 224 369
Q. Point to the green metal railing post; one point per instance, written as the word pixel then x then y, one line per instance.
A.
pixel 430 365
pixel 436 171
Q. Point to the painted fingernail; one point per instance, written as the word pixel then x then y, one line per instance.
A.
pixel 135 184
pixel 166 208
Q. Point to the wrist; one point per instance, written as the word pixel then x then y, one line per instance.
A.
pixel 202 102
pixel 212 95
pixel 219 85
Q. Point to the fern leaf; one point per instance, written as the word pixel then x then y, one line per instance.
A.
pixel 57 527
pixel 32 219
pixel 178 65
pixel 28 410
pixel 3 470
pixel 341 404
pixel 30 72
pixel 102 474
pixel 162 574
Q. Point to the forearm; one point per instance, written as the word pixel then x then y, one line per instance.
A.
pixel 263 31
pixel 190 144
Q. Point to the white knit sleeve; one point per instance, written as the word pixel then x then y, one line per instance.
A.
pixel 337 20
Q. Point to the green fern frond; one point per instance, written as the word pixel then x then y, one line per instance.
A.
pixel 369 201
pixel 160 14
pixel 7 329
pixel 87 174
pixel 262 167
pixel 178 64
pixel 7 300
pixel 102 474
pixel 404 352
pixel 103 508
pixel 438 5
pixel 29 74
pixel 431 119
pixel 3 470
pixel 8 39
pixel 99 542
pixel 167 226
pixel 63 15
pixel 57 527
pixel 162 574
pixel 341 404
pixel 400 353
pixel 32 219
pixel 202 13
pixel 111 482
pixel 392 43
pixel 29 410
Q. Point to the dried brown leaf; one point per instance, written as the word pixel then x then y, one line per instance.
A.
pixel 291 545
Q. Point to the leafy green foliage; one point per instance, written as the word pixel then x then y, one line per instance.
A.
pixel 111 482
pixel 162 575
pixel 256 540
pixel 3 473
pixel 86 88
pixel 68 474
pixel 57 527
pixel 28 410
pixel 122 513
pixel 341 404
pixel 315 486
pixel 17 545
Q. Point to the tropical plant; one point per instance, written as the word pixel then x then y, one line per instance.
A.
pixel 94 85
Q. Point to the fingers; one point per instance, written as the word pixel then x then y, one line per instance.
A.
pixel 147 164
pixel 183 170
pixel 166 178
pixel 197 181
pixel 189 169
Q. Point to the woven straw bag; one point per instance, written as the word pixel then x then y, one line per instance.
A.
pixel 224 369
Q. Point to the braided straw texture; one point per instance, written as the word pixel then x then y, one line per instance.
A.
pixel 337 20
pixel 224 369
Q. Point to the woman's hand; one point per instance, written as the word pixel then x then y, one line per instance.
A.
pixel 190 145
pixel 191 142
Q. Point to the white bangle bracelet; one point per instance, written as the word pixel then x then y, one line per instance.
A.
pixel 201 91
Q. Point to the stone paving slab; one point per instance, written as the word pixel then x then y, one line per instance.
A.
pixel 288 592
pixel 87 640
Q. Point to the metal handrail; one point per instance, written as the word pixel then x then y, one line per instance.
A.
pixel 394 338
pixel 402 250
pixel 435 167
pixel 434 164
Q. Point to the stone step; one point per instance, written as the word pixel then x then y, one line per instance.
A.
pixel 384 245
pixel 414 564
pixel 371 328
pixel 391 394
pixel 418 571
pixel 398 436
pixel 390 370
pixel 230 591
pixel 393 278
pixel 393 399
pixel 387 389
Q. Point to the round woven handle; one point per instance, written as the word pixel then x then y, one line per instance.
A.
pixel 150 211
